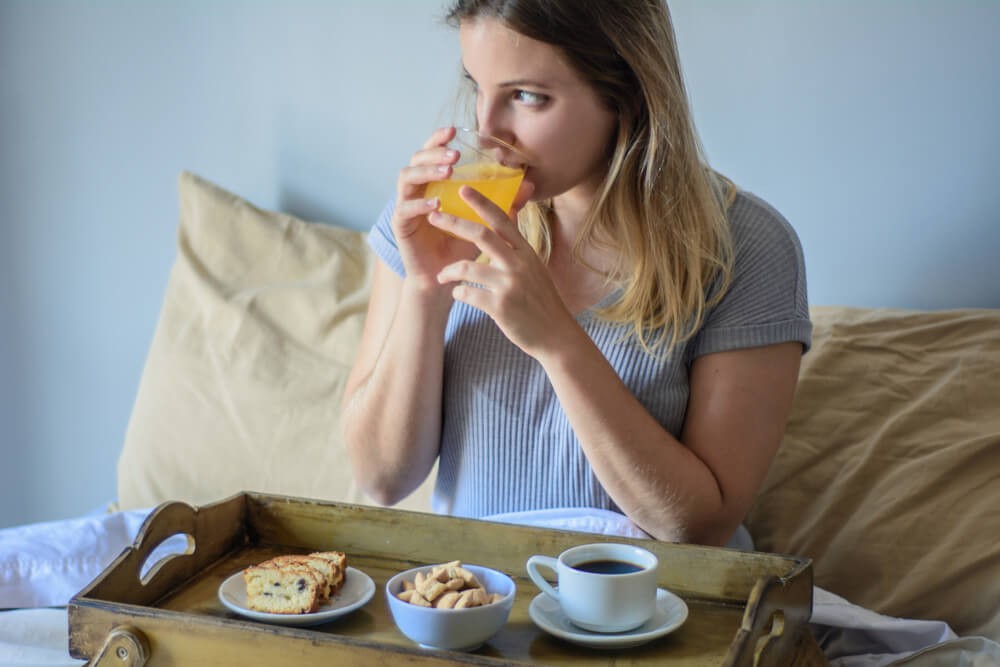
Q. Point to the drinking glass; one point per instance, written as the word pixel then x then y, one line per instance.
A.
pixel 487 164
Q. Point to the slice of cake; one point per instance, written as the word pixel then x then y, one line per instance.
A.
pixel 330 569
pixel 339 561
pixel 289 589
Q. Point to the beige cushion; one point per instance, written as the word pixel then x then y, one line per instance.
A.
pixel 241 390
pixel 889 475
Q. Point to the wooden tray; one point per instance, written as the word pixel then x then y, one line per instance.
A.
pixel 745 608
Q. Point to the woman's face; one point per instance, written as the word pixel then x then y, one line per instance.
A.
pixel 529 96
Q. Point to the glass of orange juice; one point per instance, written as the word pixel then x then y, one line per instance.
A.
pixel 486 164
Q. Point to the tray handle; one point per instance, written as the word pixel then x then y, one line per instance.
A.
pixel 774 617
pixel 141 574
pixel 163 525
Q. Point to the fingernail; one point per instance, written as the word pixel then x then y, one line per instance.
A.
pixel 433 202
pixel 444 168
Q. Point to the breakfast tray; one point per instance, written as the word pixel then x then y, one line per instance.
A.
pixel 745 608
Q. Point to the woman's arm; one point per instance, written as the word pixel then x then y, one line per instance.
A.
pixel 391 408
pixel 699 488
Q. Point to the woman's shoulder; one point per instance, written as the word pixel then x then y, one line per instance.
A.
pixel 763 239
pixel 753 220
pixel 765 302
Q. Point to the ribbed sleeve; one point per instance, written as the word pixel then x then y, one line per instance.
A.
pixel 766 302
pixel 383 242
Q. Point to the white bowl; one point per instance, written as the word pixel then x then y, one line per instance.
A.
pixel 452 629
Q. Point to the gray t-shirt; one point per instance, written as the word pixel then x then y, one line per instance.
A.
pixel 506 444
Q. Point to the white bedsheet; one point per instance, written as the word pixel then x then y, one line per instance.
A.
pixel 35 638
pixel 44 565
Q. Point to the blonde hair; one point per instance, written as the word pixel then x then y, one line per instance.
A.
pixel 661 208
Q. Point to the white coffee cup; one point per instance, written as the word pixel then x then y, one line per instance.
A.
pixel 602 587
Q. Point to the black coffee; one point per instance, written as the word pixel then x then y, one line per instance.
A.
pixel 607 567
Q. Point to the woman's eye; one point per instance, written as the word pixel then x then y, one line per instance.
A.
pixel 530 99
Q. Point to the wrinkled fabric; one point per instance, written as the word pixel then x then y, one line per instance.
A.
pixel 851 635
pixel 888 476
pixel 35 638
pixel 45 564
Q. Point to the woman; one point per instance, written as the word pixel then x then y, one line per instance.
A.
pixel 633 342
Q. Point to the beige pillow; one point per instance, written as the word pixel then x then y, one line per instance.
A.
pixel 889 474
pixel 241 390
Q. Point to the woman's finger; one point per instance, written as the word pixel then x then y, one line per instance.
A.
pixel 493 215
pixel 440 137
pixel 414 177
pixel 411 209
pixel 485 276
pixel 478 298
pixel 475 284
pixel 479 235
pixel 434 155
pixel 433 162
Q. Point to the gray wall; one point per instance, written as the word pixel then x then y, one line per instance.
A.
pixel 872 125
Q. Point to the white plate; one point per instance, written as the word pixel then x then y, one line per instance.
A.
pixel 670 614
pixel 358 589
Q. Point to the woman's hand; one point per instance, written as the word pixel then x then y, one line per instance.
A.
pixel 514 288
pixel 424 249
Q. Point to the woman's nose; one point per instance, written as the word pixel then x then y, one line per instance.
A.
pixel 497 131
pixel 486 124
pixel 492 122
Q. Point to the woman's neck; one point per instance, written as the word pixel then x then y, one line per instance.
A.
pixel 567 219
pixel 570 211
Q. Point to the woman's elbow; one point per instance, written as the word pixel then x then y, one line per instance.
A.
pixel 377 481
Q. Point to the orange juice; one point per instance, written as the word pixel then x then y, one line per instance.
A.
pixel 496 182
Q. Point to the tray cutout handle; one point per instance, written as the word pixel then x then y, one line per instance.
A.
pixel 158 544
pixel 204 535
pixel 773 617
pixel 773 633
pixel 124 647
pixel 163 553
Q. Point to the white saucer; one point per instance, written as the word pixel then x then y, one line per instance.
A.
pixel 358 589
pixel 670 614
